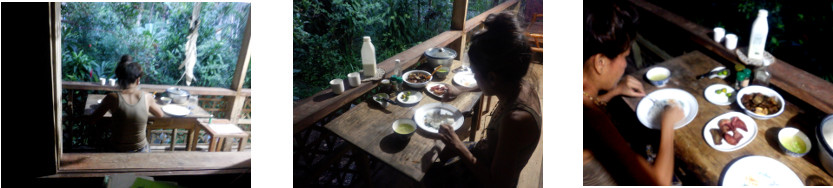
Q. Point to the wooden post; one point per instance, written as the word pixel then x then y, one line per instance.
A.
pixel 458 22
pixel 234 104
pixel 55 33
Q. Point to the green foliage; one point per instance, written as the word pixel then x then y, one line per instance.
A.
pixel 327 35
pixel 95 35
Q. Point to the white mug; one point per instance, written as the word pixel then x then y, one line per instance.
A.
pixel 731 41
pixel 354 78
pixel 103 81
pixel 337 85
pixel 719 33
pixel 112 82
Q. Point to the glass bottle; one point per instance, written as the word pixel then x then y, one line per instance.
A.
pixel 761 76
pixel 385 87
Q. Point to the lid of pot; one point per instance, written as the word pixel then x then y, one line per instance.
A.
pixel 441 53
pixel 176 91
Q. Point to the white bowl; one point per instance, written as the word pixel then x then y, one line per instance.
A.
pixel 416 85
pixel 399 122
pixel 789 132
pixel 164 100
pixel 658 76
pixel 763 90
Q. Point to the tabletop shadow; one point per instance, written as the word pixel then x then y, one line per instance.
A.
pixel 428 158
pixel 392 143
pixel 771 136
pixel 814 180
pixel 377 106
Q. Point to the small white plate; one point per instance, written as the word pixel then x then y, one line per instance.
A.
pixel 423 113
pixel 465 79
pixel 760 171
pixel 648 112
pixel 432 84
pixel 748 136
pixel 176 110
pixel 414 97
pixel 719 99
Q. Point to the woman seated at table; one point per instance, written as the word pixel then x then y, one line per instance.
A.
pixel 130 108
pixel 500 57
pixel 608 34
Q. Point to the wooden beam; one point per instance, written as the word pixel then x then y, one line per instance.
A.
pixel 55 38
pixel 458 22
pixel 311 109
pixel 243 58
pixel 156 88
pixel 799 83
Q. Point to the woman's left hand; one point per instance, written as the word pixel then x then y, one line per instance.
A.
pixel 630 86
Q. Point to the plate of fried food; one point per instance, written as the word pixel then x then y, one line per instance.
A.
pixel 730 131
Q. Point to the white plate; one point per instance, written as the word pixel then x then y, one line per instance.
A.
pixel 414 98
pixel 432 84
pixel 465 79
pixel 748 136
pixel 760 171
pixel 176 110
pixel 430 109
pixel 649 113
pixel 719 99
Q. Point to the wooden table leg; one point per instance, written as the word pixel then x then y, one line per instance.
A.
pixel 242 143
pixel 173 140
pixel 212 144
pixel 227 141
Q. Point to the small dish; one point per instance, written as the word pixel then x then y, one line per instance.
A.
pixel 437 89
pixel 404 128
pixel 381 99
pixel 748 136
pixel 413 97
pixel 164 100
pixel 465 79
pixel 417 85
pixel 765 91
pixel 794 142
pixel 658 76
pixel 720 94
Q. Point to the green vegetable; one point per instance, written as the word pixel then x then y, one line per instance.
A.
pixel 728 94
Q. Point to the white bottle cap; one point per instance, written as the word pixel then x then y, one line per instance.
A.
pixel 397 61
pixel 366 38
pixel 763 12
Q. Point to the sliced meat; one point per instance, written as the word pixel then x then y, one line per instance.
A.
pixel 734 138
pixel 725 122
pixel 737 123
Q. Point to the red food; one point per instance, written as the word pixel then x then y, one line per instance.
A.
pixel 725 123
pixel 734 138
pixel 737 123
pixel 439 89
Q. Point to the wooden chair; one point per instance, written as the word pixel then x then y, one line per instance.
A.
pixel 535 32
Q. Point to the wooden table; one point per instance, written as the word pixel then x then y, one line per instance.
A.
pixel 706 163
pixel 219 130
pixel 368 126
pixel 188 122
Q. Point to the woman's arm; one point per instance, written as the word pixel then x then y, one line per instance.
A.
pixel 628 86
pixel 154 108
pixel 511 140
pixel 110 101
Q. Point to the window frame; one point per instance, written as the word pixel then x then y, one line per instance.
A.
pixel 242 163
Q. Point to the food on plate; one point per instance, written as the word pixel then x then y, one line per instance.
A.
pixel 418 77
pixel 760 103
pixel 437 118
pixel 439 89
pixel 716 136
pixel 723 90
pixel 726 126
pixel 405 96
pixel 794 144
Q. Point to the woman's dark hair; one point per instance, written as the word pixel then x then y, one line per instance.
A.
pixel 127 71
pixel 501 48
pixel 609 28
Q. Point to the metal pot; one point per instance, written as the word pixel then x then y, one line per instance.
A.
pixel 440 56
pixel 825 150
pixel 177 95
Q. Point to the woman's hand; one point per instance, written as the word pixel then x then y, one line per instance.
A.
pixel 630 86
pixel 671 115
pixel 452 93
pixel 449 137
